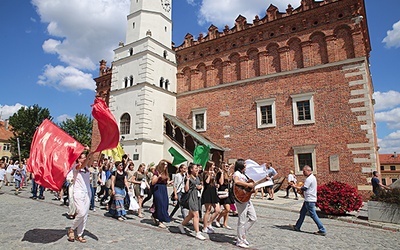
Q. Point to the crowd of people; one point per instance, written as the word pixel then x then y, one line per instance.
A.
pixel 123 189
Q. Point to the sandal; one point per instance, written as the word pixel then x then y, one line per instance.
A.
pixel 81 239
pixel 71 235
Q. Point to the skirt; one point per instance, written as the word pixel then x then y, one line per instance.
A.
pixel 160 200
pixel 209 195
pixel 117 207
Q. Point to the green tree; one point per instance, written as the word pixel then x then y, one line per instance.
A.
pixel 80 128
pixel 23 125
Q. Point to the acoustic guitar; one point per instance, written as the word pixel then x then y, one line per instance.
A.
pixel 243 194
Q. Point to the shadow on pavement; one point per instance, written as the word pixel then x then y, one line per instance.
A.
pixel 287 227
pixel 46 236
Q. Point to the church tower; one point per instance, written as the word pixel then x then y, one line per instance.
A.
pixel 143 83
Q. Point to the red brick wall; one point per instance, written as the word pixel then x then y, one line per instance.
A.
pixel 326 33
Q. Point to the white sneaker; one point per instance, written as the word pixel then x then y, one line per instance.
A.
pixel 241 244
pixel 94 209
pixel 199 236
pixel 208 231
pixel 181 229
pixel 246 242
pixel 211 229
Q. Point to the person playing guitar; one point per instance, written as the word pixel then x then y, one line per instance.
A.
pixel 246 212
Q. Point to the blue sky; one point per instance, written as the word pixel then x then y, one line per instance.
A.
pixel 50 50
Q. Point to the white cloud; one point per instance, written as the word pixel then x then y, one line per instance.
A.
pixel 390 143
pixel 83 32
pixel 63 118
pixel 386 100
pixel 391 118
pixel 393 36
pixel 66 78
pixel 224 12
pixel 7 111
pixel 191 2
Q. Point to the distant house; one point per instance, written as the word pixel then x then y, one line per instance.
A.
pixel 390 168
pixel 5 135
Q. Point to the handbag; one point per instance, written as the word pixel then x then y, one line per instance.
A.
pixel 184 201
pixel 223 194
pixel 172 197
pixel 133 205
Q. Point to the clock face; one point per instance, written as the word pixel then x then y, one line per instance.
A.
pixel 166 4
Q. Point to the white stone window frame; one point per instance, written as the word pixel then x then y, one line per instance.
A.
pixel 303 97
pixel 305 149
pixel 266 102
pixel 198 112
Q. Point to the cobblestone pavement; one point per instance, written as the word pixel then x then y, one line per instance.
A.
pixel 41 224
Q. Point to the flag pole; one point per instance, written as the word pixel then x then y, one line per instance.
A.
pixel 19 151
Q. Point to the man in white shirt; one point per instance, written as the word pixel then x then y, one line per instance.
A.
pixel 310 198
pixel 10 172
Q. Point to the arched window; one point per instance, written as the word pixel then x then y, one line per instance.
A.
pixel 165 54
pixel 131 81
pixel 131 51
pixel 161 82
pixel 125 124
pixel 126 82
pixel 166 84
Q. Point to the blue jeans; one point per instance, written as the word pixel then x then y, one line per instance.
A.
pixel 35 188
pixel 93 195
pixel 310 208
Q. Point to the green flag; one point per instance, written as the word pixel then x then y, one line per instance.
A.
pixel 201 155
pixel 178 158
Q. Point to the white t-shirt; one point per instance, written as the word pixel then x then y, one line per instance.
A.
pixel 292 178
pixel 81 180
pixel 241 176
pixel 2 173
pixel 10 168
pixel 178 183
pixel 310 194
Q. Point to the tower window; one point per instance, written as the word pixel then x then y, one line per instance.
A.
pixel 131 81
pixel 126 82
pixel 131 51
pixel 133 25
pixel 125 124
pixel 166 84
pixel 161 82
pixel 165 54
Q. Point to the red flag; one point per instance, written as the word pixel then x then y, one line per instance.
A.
pixel 52 154
pixel 108 128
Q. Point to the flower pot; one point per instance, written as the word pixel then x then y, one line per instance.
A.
pixel 383 212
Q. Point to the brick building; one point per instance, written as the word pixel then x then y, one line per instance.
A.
pixel 291 87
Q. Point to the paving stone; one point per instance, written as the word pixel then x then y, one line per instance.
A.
pixel 41 224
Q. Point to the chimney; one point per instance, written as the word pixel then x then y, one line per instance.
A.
pixel 6 124
pixel 395 155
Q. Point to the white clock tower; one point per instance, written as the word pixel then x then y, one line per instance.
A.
pixel 143 84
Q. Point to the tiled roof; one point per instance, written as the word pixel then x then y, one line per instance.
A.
pixel 4 134
pixel 389 159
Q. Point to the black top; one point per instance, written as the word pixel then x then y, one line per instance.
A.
pixel 120 179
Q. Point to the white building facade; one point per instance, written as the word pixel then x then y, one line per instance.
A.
pixel 143 83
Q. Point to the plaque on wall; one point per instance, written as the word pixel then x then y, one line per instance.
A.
pixel 334 163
